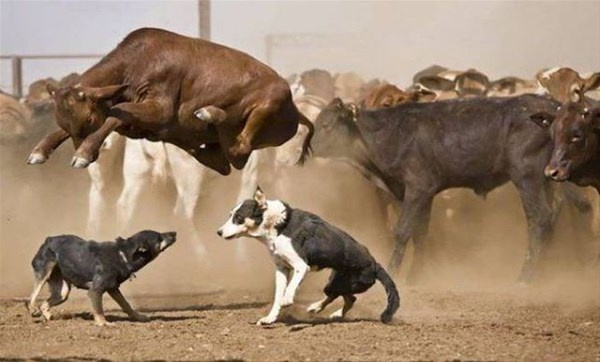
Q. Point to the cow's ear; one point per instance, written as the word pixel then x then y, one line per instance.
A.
pixel 337 102
pixel 595 117
pixel 105 93
pixel 542 119
pixel 260 197
pixel 591 83
pixel 51 88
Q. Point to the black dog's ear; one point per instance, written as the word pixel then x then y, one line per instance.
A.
pixel 543 119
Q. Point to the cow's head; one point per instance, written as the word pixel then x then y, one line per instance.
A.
pixel 386 95
pixel 81 111
pixel 335 130
pixel 565 84
pixel 575 132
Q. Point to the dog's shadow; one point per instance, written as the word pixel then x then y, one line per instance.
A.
pixel 205 307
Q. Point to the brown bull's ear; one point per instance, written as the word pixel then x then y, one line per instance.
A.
pixel 543 119
pixel 51 88
pixel 105 93
pixel 260 197
pixel 591 83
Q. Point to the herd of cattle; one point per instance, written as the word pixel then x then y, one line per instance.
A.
pixel 412 143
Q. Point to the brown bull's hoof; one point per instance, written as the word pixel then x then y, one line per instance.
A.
pixel 36 158
pixel 211 114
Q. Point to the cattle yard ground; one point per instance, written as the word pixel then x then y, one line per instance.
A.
pixel 433 324
pixel 203 308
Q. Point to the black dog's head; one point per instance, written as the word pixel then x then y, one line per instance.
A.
pixel 144 246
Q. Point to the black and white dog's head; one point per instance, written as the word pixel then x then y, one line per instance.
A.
pixel 256 218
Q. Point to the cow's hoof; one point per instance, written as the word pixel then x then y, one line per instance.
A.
pixel 36 159
pixel 203 114
pixel 79 162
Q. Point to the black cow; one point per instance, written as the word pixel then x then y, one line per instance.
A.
pixel 420 149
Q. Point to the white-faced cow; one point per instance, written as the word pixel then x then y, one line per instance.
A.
pixel 216 103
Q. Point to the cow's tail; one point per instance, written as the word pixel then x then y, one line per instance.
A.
pixel 306 148
pixel 393 298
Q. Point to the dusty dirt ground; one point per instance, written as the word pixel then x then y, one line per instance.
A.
pixel 431 325
pixel 203 307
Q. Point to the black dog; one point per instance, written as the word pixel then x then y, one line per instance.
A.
pixel 67 260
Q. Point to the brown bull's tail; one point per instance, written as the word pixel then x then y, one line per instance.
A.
pixel 306 148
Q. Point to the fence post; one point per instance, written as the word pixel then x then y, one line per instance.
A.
pixel 17 76
pixel 204 18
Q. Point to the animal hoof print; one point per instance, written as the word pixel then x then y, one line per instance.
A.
pixel 36 159
pixel 79 162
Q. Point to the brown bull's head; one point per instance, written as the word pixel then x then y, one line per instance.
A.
pixel 575 132
pixel 81 111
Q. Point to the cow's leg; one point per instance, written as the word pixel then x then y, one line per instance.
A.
pixel 248 185
pixel 416 210
pixel 87 152
pixel 419 235
pixel 137 170
pixel 243 145
pixel 97 199
pixel 151 112
pixel 189 178
pixel 536 196
pixel 46 146
pixel 211 155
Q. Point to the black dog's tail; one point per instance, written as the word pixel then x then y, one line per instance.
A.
pixel 392 293
pixel 306 149
pixel 44 255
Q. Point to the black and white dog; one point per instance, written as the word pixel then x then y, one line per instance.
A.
pixel 300 241
pixel 67 260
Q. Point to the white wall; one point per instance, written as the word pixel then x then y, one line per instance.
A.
pixel 379 39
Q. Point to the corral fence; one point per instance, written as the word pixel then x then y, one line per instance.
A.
pixel 17 66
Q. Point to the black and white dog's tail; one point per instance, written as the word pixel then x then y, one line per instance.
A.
pixel 392 293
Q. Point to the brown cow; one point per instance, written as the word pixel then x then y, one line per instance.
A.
pixel 214 102
pixel 565 84
pixel 511 86
pixel 387 95
pixel 471 83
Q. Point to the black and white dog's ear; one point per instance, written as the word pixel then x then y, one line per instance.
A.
pixel 260 198
pixel 543 119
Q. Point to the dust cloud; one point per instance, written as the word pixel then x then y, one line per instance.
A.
pixel 473 244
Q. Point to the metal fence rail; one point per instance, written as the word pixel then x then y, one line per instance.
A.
pixel 17 66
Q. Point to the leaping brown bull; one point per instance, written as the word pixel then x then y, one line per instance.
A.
pixel 217 103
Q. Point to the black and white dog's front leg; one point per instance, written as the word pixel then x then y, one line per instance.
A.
pixel 299 270
pixel 281 279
